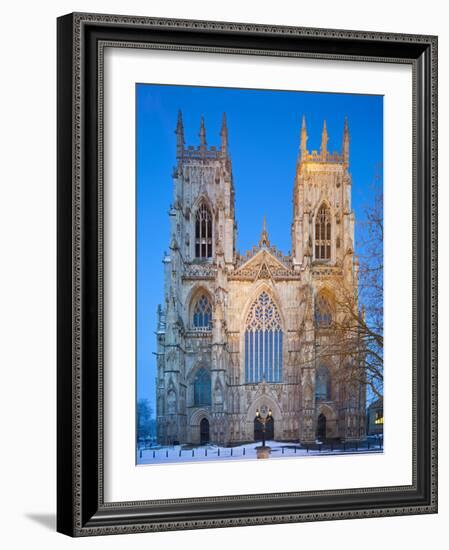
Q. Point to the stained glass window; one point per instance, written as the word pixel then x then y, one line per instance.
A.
pixel 263 342
pixel 202 313
pixel 203 233
pixel 202 388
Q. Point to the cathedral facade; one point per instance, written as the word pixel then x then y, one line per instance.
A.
pixel 239 335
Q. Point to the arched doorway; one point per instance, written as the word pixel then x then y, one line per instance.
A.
pixel 204 431
pixel 321 427
pixel 258 429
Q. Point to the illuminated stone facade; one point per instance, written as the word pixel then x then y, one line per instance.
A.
pixel 238 334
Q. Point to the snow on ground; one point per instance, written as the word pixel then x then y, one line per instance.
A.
pixel 177 453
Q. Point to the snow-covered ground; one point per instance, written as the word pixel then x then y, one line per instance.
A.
pixel 176 453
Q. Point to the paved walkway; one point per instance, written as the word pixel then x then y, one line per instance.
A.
pixel 179 453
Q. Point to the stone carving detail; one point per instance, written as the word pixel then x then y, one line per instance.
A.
pixel 200 271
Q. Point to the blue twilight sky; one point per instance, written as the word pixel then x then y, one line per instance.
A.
pixel 264 128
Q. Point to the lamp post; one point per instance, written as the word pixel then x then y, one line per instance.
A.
pixel 264 421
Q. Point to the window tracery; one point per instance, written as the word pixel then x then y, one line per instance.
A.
pixel 203 232
pixel 323 234
pixel 202 312
pixel 202 388
pixel 263 342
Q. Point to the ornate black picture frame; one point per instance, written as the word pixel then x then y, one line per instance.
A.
pixel 81 509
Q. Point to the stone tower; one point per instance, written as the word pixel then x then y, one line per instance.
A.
pixel 202 250
pixel 323 251
pixel 322 188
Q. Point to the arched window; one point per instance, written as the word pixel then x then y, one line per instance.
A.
pixel 323 234
pixel 203 232
pixel 323 312
pixel 202 312
pixel 201 388
pixel 322 384
pixel 263 342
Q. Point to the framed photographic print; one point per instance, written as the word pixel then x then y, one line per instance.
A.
pixel 246 274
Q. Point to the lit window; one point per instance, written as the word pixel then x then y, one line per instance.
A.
pixel 379 418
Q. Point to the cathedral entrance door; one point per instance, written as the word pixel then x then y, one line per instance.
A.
pixel 258 429
pixel 204 431
pixel 321 427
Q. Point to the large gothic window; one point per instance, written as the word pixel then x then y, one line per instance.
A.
pixel 202 312
pixel 323 234
pixel 322 384
pixel 203 232
pixel 263 342
pixel 323 312
pixel 202 388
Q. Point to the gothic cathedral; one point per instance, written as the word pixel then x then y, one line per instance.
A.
pixel 240 335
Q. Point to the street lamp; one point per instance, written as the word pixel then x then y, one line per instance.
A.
pixel 264 421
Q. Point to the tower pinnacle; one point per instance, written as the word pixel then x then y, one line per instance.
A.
pixel 264 235
pixel 202 134
pixel 224 134
pixel 303 146
pixel 179 136
pixel 346 141
pixel 324 140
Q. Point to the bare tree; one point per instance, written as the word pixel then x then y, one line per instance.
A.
pixel 370 290
pixel 145 420
pixel 356 340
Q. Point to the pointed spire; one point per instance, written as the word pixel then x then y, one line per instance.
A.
pixel 324 140
pixel 264 235
pixel 346 141
pixel 303 146
pixel 179 136
pixel 202 134
pixel 224 134
pixel 161 322
pixel 179 126
pixel 171 316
